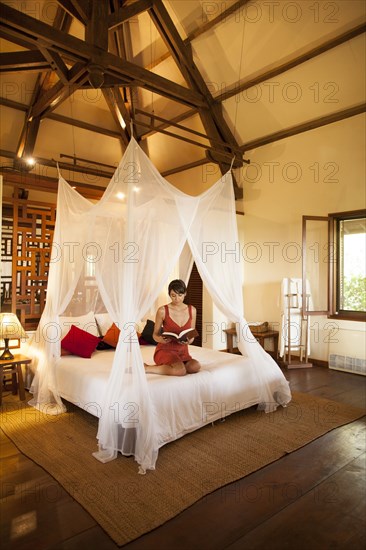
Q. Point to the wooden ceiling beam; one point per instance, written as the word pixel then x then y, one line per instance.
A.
pixel 119 112
pixel 97 34
pixel 96 31
pixel 222 16
pixel 305 127
pixel 76 8
pixel 23 61
pixel 225 156
pixel 81 124
pixel 124 39
pixel 62 20
pixel 59 92
pixel 48 184
pixel 238 87
pixel 177 119
pixel 29 131
pixel 16 39
pixel 62 119
pixel 56 64
pixel 125 13
pixel 37 33
pixel 116 42
pixel 218 127
pixel 211 115
pixel 76 168
pixel 117 45
pixel 83 7
pixel 28 139
pixel 31 124
pixel 209 24
pixel 108 82
pixel 13 104
pixel 168 123
pixel 72 167
pixel 185 167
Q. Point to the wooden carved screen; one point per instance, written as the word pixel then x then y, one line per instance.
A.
pixel 194 297
pixel 6 259
pixel 33 224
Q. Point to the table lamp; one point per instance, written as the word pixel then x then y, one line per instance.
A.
pixel 10 328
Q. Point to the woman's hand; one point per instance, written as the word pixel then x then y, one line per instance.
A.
pixel 186 342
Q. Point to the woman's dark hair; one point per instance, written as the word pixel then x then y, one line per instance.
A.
pixel 177 286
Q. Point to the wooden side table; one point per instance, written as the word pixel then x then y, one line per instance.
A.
pixel 14 367
pixel 259 336
pixel 230 333
pixel 273 335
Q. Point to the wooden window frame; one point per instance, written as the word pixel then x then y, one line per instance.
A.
pixel 335 311
pixel 306 311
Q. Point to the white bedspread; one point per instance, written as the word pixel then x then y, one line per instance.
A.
pixel 226 383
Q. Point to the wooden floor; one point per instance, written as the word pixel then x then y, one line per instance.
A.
pixel 313 498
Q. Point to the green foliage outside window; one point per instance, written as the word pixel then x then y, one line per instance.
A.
pixel 354 294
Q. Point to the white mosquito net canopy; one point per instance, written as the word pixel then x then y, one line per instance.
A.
pixel 133 238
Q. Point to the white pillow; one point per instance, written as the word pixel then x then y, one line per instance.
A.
pixel 104 322
pixel 84 322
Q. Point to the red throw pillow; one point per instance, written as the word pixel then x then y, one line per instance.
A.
pixel 79 342
pixel 112 335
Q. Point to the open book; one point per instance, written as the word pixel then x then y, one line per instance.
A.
pixel 183 335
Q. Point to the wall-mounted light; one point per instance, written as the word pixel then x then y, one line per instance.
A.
pixel 30 161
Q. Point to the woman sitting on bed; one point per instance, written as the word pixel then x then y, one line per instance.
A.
pixel 172 356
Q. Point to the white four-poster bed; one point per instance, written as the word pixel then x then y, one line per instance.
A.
pixel 134 237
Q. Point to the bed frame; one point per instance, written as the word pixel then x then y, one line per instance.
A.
pixel 225 384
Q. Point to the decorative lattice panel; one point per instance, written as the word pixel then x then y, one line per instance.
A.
pixel 33 226
pixel 6 262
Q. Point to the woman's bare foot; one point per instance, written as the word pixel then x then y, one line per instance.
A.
pixel 166 370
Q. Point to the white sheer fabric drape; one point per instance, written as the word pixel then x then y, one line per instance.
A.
pixel 66 266
pixel 134 237
pixel 141 240
pixel 185 263
pixel 213 239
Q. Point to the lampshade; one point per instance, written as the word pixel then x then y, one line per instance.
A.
pixel 10 328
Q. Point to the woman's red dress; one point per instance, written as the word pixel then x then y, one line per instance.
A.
pixel 173 352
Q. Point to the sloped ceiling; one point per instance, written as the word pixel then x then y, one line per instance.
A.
pixel 196 82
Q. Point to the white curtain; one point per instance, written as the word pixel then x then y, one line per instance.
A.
pixel 141 239
pixel 185 263
pixel 213 239
pixel 133 239
pixel 66 266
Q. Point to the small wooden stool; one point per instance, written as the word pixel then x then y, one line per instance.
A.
pixel 14 367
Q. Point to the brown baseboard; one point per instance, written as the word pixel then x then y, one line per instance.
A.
pixel 319 362
pixel 312 360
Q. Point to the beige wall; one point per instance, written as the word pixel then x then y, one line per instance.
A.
pixel 314 173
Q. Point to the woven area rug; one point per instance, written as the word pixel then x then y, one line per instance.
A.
pixel 126 504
